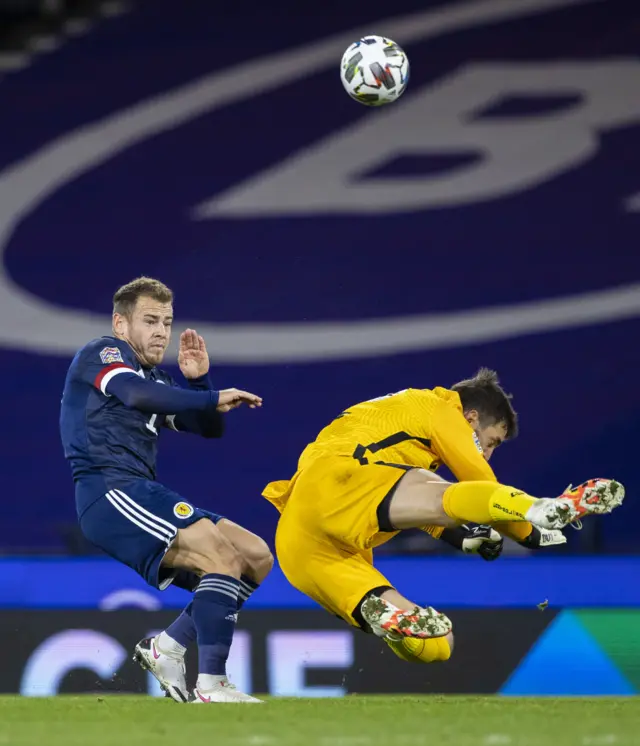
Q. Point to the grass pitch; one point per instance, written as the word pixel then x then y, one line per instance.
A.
pixel 350 721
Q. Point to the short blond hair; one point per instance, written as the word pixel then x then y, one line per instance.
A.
pixel 126 297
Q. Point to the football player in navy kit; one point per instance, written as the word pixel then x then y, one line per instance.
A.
pixel 115 403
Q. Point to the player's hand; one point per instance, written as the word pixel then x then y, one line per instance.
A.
pixel 193 358
pixel 483 540
pixel 233 398
pixel 541 538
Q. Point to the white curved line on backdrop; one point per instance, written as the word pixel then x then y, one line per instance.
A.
pixel 129 597
pixel 27 322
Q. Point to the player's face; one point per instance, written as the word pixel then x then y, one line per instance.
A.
pixel 489 436
pixel 148 330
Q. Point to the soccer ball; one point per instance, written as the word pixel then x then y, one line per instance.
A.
pixel 374 71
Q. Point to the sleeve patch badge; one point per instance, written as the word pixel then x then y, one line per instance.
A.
pixel 111 355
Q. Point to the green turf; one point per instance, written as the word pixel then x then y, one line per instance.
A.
pixel 351 721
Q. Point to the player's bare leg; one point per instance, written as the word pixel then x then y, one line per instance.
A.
pixel 255 556
pixel 417 501
pixel 421 498
pixel 198 549
pixel 204 550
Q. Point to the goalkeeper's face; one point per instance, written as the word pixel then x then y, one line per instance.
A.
pixel 490 437
pixel 147 329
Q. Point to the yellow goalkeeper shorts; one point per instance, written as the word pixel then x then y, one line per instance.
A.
pixel 328 528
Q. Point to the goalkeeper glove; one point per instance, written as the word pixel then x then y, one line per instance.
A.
pixel 482 540
pixel 539 539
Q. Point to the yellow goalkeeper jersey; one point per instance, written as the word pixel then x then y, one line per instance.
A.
pixel 415 427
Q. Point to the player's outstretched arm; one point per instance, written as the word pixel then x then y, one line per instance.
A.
pixel 208 426
pixel 193 360
pixel 204 424
pixel 148 396
pixel 233 398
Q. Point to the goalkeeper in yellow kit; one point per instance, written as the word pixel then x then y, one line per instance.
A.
pixel 370 474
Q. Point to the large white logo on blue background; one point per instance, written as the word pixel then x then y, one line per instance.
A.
pixel 308 229
pixel 489 217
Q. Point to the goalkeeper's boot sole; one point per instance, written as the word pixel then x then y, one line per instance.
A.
pixel 169 671
pixel 594 497
pixel 385 619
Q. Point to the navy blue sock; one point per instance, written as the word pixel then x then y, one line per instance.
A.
pixel 183 630
pixel 215 604
pixel 247 587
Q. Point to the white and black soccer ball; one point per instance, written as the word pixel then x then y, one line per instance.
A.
pixel 374 71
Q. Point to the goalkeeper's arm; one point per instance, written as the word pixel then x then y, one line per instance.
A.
pixel 487 542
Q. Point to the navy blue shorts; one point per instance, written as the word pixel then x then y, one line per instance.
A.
pixel 136 524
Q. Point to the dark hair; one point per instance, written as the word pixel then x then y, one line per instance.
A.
pixel 484 394
pixel 126 297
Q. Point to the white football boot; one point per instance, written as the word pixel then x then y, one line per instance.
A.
pixel 169 670
pixel 597 496
pixel 223 691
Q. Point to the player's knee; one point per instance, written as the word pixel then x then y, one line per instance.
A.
pixel 222 556
pixel 208 551
pixel 258 558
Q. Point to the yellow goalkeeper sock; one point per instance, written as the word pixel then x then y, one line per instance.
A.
pixel 516 531
pixel 416 650
pixel 485 502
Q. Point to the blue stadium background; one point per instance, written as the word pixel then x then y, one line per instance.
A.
pixel 575 387
pixel 329 252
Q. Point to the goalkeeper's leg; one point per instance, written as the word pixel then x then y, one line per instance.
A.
pixel 423 499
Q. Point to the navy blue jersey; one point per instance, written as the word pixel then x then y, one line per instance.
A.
pixel 100 434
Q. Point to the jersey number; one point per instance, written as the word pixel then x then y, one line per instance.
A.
pixel 151 425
